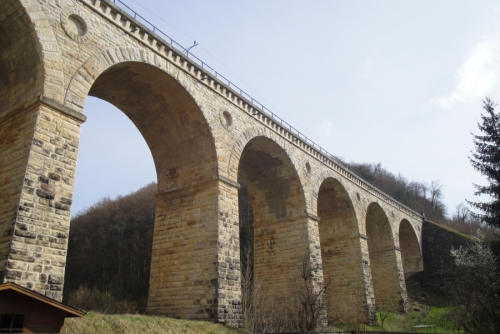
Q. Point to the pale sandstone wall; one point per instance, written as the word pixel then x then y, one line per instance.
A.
pixel 340 248
pixel 37 254
pixel 185 261
pixel 16 134
pixel 195 270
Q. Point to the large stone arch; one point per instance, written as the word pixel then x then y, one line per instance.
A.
pixel 411 252
pixel 385 259
pixel 284 236
pixel 190 197
pixel 316 182
pixel 183 149
pixel 340 248
pixel 247 135
pixel 351 285
pixel 83 79
pixel 168 118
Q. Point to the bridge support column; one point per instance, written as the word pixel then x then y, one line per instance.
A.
pixel 388 279
pixel 38 151
pixel 195 264
pixel 283 249
pixel 368 298
pixel 316 262
pixel 351 293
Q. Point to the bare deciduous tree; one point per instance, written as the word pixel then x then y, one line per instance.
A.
pixel 300 307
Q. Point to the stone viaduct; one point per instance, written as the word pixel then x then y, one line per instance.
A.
pixel 204 136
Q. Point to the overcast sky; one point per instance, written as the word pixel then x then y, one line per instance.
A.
pixel 395 82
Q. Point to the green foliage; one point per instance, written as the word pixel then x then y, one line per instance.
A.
pixel 486 160
pixel 88 299
pixel 427 308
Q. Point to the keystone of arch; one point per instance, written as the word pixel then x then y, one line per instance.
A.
pixel 261 131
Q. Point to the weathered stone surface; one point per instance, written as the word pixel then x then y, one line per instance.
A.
pixel 203 137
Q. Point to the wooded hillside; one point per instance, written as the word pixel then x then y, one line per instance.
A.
pixel 416 195
pixel 110 242
pixel 110 247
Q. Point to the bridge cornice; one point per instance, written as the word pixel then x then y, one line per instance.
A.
pixel 202 72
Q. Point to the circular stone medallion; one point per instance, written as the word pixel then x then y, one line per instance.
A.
pixel 74 23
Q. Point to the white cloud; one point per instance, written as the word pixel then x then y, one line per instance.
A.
pixel 325 128
pixel 476 75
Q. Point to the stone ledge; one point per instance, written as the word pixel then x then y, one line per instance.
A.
pixel 42 100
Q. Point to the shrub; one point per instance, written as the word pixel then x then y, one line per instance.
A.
pixel 94 300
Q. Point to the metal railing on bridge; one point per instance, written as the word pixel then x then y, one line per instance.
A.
pixel 256 104
pixel 231 85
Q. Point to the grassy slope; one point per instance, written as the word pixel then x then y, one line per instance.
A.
pixel 131 324
pixel 426 308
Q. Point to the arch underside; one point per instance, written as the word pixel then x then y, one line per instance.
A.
pixel 19 59
pixel 410 249
pixel 183 151
pixel 340 249
pixel 280 226
pixel 168 118
pixel 387 283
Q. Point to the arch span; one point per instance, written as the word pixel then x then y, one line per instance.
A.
pixel 411 252
pixel 167 116
pixel 388 281
pixel 280 222
pixel 185 159
pixel 340 248
pixel 246 136
pixel 84 78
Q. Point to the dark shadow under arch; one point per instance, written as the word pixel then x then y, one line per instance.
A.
pixel 340 249
pixel 383 259
pixel 167 116
pixel 20 60
pixel 183 150
pixel 410 249
pixel 280 224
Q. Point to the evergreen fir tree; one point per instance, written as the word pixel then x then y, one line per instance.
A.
pixel 486 160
